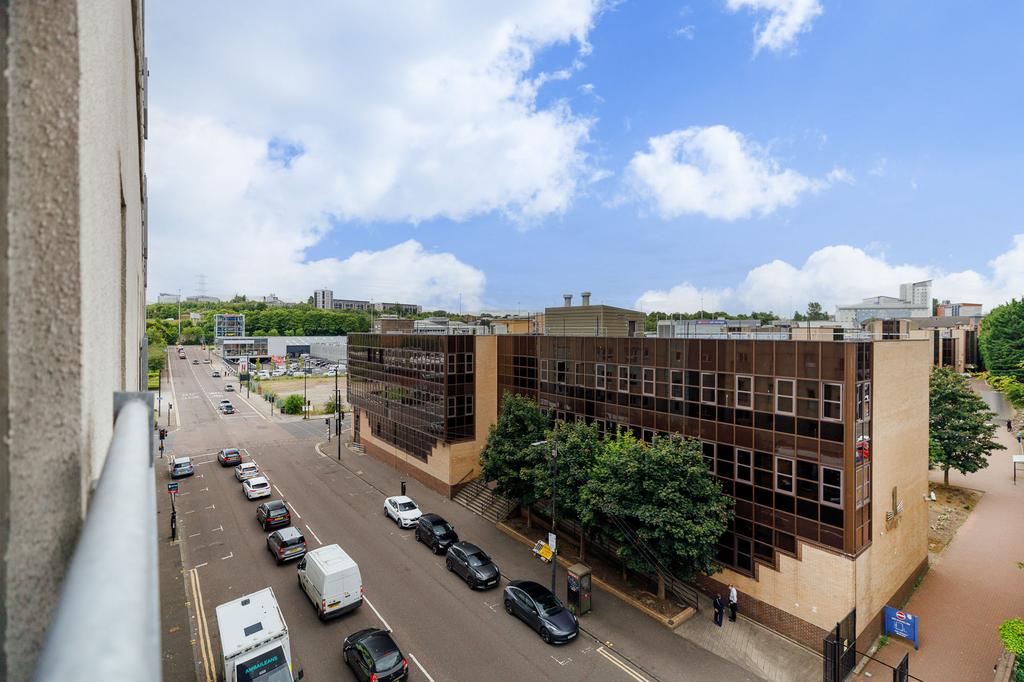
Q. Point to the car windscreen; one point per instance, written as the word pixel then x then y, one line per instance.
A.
pixel 442 529
pixel 269 666
pixel 406 506
pixel 478 559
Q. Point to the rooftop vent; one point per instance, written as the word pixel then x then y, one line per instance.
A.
pixel 585 298
pixel 568 300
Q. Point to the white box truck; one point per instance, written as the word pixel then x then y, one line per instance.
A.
pixel 331 580
pixel 254 640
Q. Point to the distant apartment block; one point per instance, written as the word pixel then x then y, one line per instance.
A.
pixel 324 300
pixel 228 324
pixel 168 298
pixel 202 298
pixel 915 300
pixel 947 309
pixel 592 320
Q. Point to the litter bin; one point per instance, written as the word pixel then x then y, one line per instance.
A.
pixel 579 589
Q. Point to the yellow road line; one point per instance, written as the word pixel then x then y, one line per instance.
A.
pixel 622 666
pixel 205 646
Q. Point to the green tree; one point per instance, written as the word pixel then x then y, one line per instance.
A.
pixel 292 404
pixel 577 445
pixel 960 425
pixel 1001 340
pixel 156 357
pixel 508 458
pixel 814 312
pixel 659 503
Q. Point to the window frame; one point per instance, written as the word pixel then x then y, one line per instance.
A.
pixel 791 397
pixel 600 376
pixel 791 475
pixel 713 388
pixel 469 363
pixel 468 410
pixel 623 384
pixel 822 484
pixel 826 401
pixel 749 392
pixel 644 381
pixel 749 466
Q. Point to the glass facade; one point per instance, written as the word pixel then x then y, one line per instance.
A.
pixel 415 390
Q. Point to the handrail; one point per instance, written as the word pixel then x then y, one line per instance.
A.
pixel 107 623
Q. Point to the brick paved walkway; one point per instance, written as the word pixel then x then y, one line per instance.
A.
pixel 974 585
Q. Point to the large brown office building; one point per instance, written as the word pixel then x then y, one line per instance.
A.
pixel 822 444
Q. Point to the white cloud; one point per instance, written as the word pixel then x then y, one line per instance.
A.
pixel 716 172
pixel 880 168
pixel 844 274
pixel 688 31
pixel 431 112
pixel 786 20
pixel 837 175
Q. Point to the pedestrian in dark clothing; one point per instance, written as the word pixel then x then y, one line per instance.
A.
pixel 733 603
pixel 719 610
pixel 1009 425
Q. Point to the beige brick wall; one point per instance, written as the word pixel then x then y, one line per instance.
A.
pixel 900 459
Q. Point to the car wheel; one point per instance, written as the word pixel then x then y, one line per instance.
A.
pixel 508 607
pixel 545 635
pixel 471 582
pixel 448 565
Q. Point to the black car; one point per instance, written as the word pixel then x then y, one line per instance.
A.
pixel 273 514
pixel 373 655
pixel 286 544
pixel 473 565
pixel 534 604
pixel 435 533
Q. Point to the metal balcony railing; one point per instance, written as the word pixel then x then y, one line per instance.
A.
pixel 107 623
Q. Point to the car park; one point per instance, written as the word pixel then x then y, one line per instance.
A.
pixel 536 606
pixel 435 533
pixel 229 456
pixel 374 657
pixel 181 467
pixel 256 487
pixel 402 510
pixel 273 514
pixel 332 581
pixel 246 470
pixel 472 564
pixel 286 544
pixel 229 387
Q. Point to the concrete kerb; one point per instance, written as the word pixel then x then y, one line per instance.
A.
pixel 671 622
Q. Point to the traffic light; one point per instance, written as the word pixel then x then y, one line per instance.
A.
pixel 163 434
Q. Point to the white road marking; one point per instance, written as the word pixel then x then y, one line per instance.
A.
pixel 170 375
pixel 622 666
pixel 219 528
pixel 567 661
pixel 230 554
pixel 182 494
pixel 386 626
pixel 212 506
pixel 422 669
pixel 199 565
pixel 278 490
pixel 314 535
pixel 297 514
pixel 204 490
pixel 260 414
pixel 191 512
pixel 195 535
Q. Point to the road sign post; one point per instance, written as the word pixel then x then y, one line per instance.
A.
pixel 902 624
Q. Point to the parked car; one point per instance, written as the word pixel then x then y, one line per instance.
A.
pixel 331 373
pixel 263 374
pixel 374 657
pixel 229 387
pixel 435 533
pixel 402 510
pixel 256 487
pixel 536 606
pixel 215 374
pixel 278 373
pixel 181 467
pixel 246 470
pixel 229 456
pixel 331 580
pixel 273 514
pixel 472 564
pixel 286 544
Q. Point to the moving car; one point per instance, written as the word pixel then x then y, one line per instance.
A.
pixel 229 387
pixel 273 514
pixel 227 408
pixel 331 580
pixel 215 374
pixel 435 533
pixel 254 640
pixel 246 470
pixel 536 606
pixel 286 544
pixel 256 487
pixel 229 456
pixel 472 564
pixel 206 361
pixel 402 510
pixel 181 467
pixel 374 657
pixel 195 362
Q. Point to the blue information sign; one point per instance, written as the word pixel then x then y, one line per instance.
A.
pixel 901 624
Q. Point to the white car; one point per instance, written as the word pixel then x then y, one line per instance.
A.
pixel 256 487
pixel 278 373
pixel 402 510
pixel 263 374
pixel 331 373
pixel 246 470
pixel 297 373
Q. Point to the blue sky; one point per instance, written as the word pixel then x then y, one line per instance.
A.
pixel 879 139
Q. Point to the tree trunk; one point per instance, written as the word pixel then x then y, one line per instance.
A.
pixel 583 549
pixel 624 577
pixel 945 475
pixel 529 517
pixel 661 586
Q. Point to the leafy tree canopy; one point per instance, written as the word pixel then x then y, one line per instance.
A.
pixel 576 446
pixel 508 457
pixel 1001 340
pixel 962 435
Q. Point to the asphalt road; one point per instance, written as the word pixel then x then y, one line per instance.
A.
pixel 447 631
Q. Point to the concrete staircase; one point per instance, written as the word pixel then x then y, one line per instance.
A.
pixel 480 499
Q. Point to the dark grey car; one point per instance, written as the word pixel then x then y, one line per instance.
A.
pixel 435 533
pixel 286 544
pixel 472 564
pixel 534 604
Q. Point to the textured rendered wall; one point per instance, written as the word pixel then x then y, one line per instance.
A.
pixel 64 269
pixel 900 459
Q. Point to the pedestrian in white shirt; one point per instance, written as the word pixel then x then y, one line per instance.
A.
pixel 733 603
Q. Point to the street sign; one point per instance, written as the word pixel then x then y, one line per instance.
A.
pixel 553 542
pixel 172 488
pixel 901 624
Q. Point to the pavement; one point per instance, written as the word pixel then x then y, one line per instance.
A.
pixel 975 583
pixel 447 631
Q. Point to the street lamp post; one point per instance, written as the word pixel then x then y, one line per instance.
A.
pixel 554 484
pixel 305 412
pixel 337 411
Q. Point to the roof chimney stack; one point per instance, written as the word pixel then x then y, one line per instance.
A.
pixel 568 300
pixel 585 298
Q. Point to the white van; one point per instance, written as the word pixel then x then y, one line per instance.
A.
pixel 331 580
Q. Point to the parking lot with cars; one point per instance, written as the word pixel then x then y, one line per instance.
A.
pixel 445 609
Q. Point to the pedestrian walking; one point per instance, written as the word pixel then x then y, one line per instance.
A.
pixel 719 610
pixel 1009 425
pixel 733 603
pixel 1018 437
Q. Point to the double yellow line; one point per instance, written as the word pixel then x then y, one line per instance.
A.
pixel 205 646
pixel 614 660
